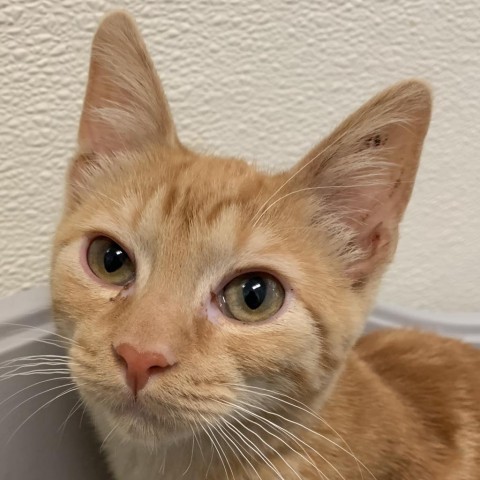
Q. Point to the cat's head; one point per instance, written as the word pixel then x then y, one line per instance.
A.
pixel 191 285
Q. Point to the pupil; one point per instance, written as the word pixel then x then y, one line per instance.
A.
pixel 114 258
pixel 254 292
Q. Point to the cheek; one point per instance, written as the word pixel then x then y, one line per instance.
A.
pixel 288 344
pixel 76 295
pixel 93 367
pixel 71 265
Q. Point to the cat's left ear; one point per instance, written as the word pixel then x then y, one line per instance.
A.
pixel 125 106
pixel 362 176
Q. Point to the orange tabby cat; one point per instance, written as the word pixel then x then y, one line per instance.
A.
pixel 214 310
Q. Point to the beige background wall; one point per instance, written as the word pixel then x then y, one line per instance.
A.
pixel 261 79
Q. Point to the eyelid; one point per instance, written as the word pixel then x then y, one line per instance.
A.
pixel 83 251
pixel 92 235
pixel 218 296
pixel 254 269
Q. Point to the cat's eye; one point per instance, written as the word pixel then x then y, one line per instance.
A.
pixel 109 261
pixel 252 297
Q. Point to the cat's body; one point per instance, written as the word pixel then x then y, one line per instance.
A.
pixel 214 310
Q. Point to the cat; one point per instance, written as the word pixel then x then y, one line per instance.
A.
pixel 215 312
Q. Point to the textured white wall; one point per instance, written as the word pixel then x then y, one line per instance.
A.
pixel 264 80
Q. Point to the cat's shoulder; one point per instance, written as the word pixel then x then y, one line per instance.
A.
pixel 414 345
pixel 412 356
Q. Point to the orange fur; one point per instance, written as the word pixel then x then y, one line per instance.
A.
pixel 289 398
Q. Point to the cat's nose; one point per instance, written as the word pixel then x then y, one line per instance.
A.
pixel 141 366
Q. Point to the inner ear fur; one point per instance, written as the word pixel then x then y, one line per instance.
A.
pixel 125 105
pixel 362 175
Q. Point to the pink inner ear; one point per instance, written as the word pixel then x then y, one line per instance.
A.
pixel 102 139
pixel 105 124
pixel 379 212
pixel 377 245
pixel 124 106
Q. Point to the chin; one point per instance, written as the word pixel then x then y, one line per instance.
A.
pixel 135 421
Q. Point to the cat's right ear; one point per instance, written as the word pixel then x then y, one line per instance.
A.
pixel 125 106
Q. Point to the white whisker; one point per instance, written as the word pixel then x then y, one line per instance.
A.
pixel 288 420
pixel 241 450
pixel 308 460
pixel 74 409
pixel 253 446
pixel 214 443
pixel 305 408
pixel 49 332
pixel 326 187
pixel 105 440
pixel 33 357
pixel 38 409
pixel 56 379
pixel 32 397
pixel 229 441
pixel 191 454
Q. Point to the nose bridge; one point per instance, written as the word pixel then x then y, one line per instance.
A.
pixel 152 319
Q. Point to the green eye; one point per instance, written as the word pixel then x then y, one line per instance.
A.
pixel 109 261
pixel 252 297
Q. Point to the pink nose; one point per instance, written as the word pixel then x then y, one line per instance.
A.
pixel 141 365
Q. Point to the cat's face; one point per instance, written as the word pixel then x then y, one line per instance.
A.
pixel 226 283
pixel 188 225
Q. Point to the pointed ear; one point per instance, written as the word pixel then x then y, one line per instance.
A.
pixel 124 104
pixel 362 176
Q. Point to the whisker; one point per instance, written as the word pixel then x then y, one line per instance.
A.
pixel 191 454
pixel 32 397
pixel 108 436
pixel 36 373
pixel 300 443
pixel 297 172
pixel 302 426
pixel 83 413
pixel 305 408
pixel 8 376
pixel 229 441
pixel 49 332
pixel 253 446
pixel 40 362
pixel 96 192
pixel 14 370
pixel 31 386
pixel 198 442
pixel 281 187
pixel 215 430
pixel 241 450
pixel 212 450
pixel 214 443
pixel 32 357
pixel 36 411
pixel 74 409
pixel 327 187
pixel 308 460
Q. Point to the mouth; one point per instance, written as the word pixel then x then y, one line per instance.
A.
pixel 163 415
pixel 150 421
pixel 136 421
